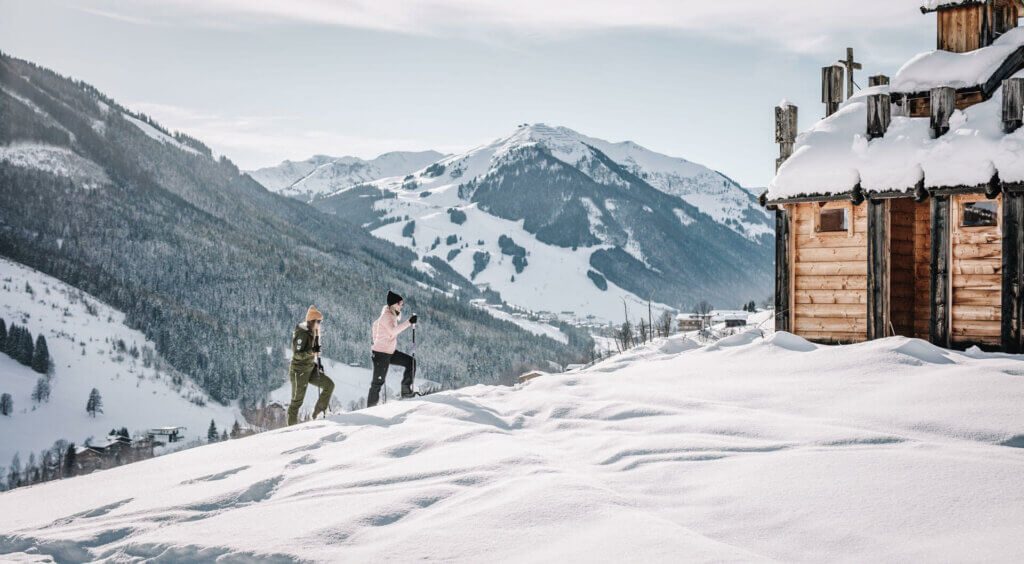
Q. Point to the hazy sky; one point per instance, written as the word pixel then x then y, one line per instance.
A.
pixel 266 80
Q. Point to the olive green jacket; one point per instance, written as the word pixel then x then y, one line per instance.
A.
pixel 303 341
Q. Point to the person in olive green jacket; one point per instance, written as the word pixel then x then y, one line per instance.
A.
pixel 305 369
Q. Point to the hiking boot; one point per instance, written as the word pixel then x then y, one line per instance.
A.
pixel 317 413
pixel 407 393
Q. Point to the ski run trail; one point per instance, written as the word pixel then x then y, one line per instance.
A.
pixel 751 449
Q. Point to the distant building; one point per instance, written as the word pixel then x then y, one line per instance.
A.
pixel 116 451
pixel 524 378
pixel 166 435
pixel 690 321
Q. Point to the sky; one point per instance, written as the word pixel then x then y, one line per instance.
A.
pixel 261 81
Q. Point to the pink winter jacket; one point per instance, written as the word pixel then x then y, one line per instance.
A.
pixel 385 332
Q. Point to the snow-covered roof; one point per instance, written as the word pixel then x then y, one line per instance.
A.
pixel 959 70
pixel 835 155
pixel 933 5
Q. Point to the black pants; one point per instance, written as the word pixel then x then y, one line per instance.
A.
pixel 381 363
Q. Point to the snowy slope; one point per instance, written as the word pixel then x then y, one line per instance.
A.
pixel 82 334
pixel 748 450
pixel 321 174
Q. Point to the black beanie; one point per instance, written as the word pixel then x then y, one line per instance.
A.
pixel 393 298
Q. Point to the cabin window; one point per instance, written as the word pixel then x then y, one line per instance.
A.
pixel 833 220
pixel 979 214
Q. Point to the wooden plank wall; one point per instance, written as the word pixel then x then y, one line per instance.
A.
pixel 960 29
pixel 976 281
pixel 902 268
pixel 830 276
pixel 922 268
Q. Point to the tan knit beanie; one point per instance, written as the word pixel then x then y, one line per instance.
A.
pixel 314 313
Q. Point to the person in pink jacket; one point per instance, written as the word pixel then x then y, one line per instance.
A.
pixel 385 351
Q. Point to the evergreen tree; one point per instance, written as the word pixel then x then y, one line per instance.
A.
pixel 41 356
pixel 224 435
pixel 13 341
pixel 14 472
pixel 236 429
pixel 95 403
pixel 3 335
pixel 6 404
pixel 123 433
pixel 69 461
pixel 211 433
pixel 41 392
pixel 29 474
pixel 25 351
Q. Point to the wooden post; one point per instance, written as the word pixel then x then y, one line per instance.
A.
pixel 832 88
pixel 782 277
pixel 938 326
pixel 1013 272
pixel 878 269
pixel 943 102
pixel 879 115
pixel 785 131
pixel 878 80
pixel 1013 104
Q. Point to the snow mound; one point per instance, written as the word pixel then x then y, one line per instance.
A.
pixel 749 452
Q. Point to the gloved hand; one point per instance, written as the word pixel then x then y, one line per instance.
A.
pixel 413 319
pixel 316 348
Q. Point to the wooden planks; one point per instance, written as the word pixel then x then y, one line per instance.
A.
pixel 829 275
pixel 903 267
pixel 960 29
pixel 922 268
pixel 976 280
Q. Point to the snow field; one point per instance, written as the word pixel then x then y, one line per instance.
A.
pixel 73 322
pixel 750 449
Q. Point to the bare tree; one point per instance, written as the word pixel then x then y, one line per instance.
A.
pixel 703 308
pixel 665 324
pixel 644 331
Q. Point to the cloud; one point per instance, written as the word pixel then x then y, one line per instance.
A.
pixel 258 141
pixel 793 25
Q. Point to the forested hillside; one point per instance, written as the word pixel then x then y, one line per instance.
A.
pixel 205 261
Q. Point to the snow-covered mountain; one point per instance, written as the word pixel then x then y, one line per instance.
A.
pixel 321 174
pixel 91 347
pixel 558 221
pixel 768 450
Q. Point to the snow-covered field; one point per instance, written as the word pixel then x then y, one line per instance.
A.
pixel 750 449
pixel 82 335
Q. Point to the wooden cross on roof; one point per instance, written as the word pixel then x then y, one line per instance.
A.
pixel 850 65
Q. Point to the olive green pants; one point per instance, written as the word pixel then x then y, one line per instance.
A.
pixel 301 379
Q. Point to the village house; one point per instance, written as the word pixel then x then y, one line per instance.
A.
pixel 901 212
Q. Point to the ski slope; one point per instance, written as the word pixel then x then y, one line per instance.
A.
pixel 82 335
pixel 747 450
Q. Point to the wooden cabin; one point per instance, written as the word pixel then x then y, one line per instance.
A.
pixel 919 233
pixel 967 25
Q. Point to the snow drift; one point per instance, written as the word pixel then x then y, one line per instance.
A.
pixel 753 449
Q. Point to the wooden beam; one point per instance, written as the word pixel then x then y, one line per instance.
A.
pixel 938 330
pixel 1013 104
pixel 782 269
pixel 879 115
pixel 1013 273
pixel 785 131
pixel 832 88
pixel 878 269
pixel 943 102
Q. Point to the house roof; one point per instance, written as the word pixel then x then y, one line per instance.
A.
pixel 958 70
pixel 834 156
pixel 935 5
